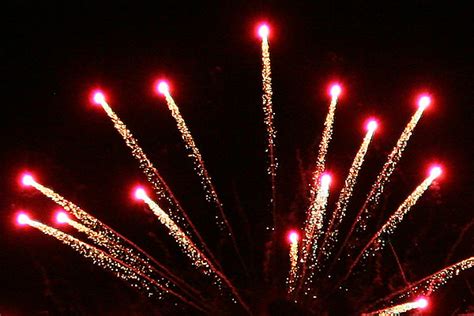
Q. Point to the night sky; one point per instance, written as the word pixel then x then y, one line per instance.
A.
pixel 53 55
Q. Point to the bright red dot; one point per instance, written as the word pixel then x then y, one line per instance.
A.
pixel 424 101
pixel 435 171
pixel 98 97
pixel 293 237
pixel 62 217
pixel 326 179
pixel 22 219
pixel 162 87
pixel 372 125
pixel 263 30
pixel 335 90
pixel 140 193
pixel 422 302
pixel 27 180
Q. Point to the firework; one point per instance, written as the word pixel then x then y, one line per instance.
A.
pixel 211 193
pixel 161 188
pixel 293 239
pixel 332 231
pixel 420 303
pixel 189 248
pixel 378 240
pixel 263 32
pixel 313 229
pixel 133 277
pixel 372 200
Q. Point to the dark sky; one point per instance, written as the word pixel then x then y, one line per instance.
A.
pixel 54 54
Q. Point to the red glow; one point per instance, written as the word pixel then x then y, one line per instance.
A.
pixel 326 179
pixel 424 101
pixel 27 180
pixel 140 193
pixel 435 171
pixel 293 236
pixel 335 90
pixel 98 97
pixel 62 217
pixel 372 125
pixel 22 219
pixel 422 302
pixel 162 87
pixel 263 30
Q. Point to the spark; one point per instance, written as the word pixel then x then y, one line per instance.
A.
pixel 372 200
pixel 293 239
pixel 420 303
pixel 346 192
pixel 154 178
pixel 378 240
pixel 269 115
pixel 133 277
pixel 429 284
pixel 195 155
pixel 199 259
pixel 22 219
pixel 320 164
pixel 313 228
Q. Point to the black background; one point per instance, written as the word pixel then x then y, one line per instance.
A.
pixel 384 54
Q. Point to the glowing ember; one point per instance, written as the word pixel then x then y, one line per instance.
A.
pixel 22 219
pixel 422 302
pixel 263 31
pixel 162 87
pixel 98 97
pixel 61 217
pixel 27 180
pixel 424 101
pixel 293 237
pixel 372 125
pixel 335 90
pixel 140 194
pixel 435 171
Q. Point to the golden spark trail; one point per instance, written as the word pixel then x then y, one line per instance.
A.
pixel 126 255
pixel 346 192
pixel 360 223
pixel 211 193
pixel 378 240
pixel 161 188
pixel 313 229
pixel 401 308
pixel 123 271
pixel 190 249
pixel 99 227
pixel 269 117
pixel 429 284
pixel 293 262
pixel 377 188
pixel 320 164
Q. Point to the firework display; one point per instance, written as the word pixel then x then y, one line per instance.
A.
pixel 325 249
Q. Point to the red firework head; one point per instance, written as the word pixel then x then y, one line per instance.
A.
pixel 326 180
pixel 335 90
pixel 27 179
pixel 422 303
pixel 98 97
pixel 263 30
pixel 293 236
pixel 435 171
pixel 62 217
pixel 139 193
pixel 162 87
pixel 424 101
pixel 22 219
pixel 372 125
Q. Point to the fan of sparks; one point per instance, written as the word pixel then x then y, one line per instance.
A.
pixel 312 256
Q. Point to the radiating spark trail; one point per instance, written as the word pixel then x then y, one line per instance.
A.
pixel 198 258
pixel 96 225
pixel 378 240
pixel 320 165
pixel 293 238
pixel 127 255
pixel 211 193
pixel 313 228
pixel 122 270
pixel 360 223
pixel 420 303
pixel 269 114
pixel 161 188
pixel 429 284
pixel 332 232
